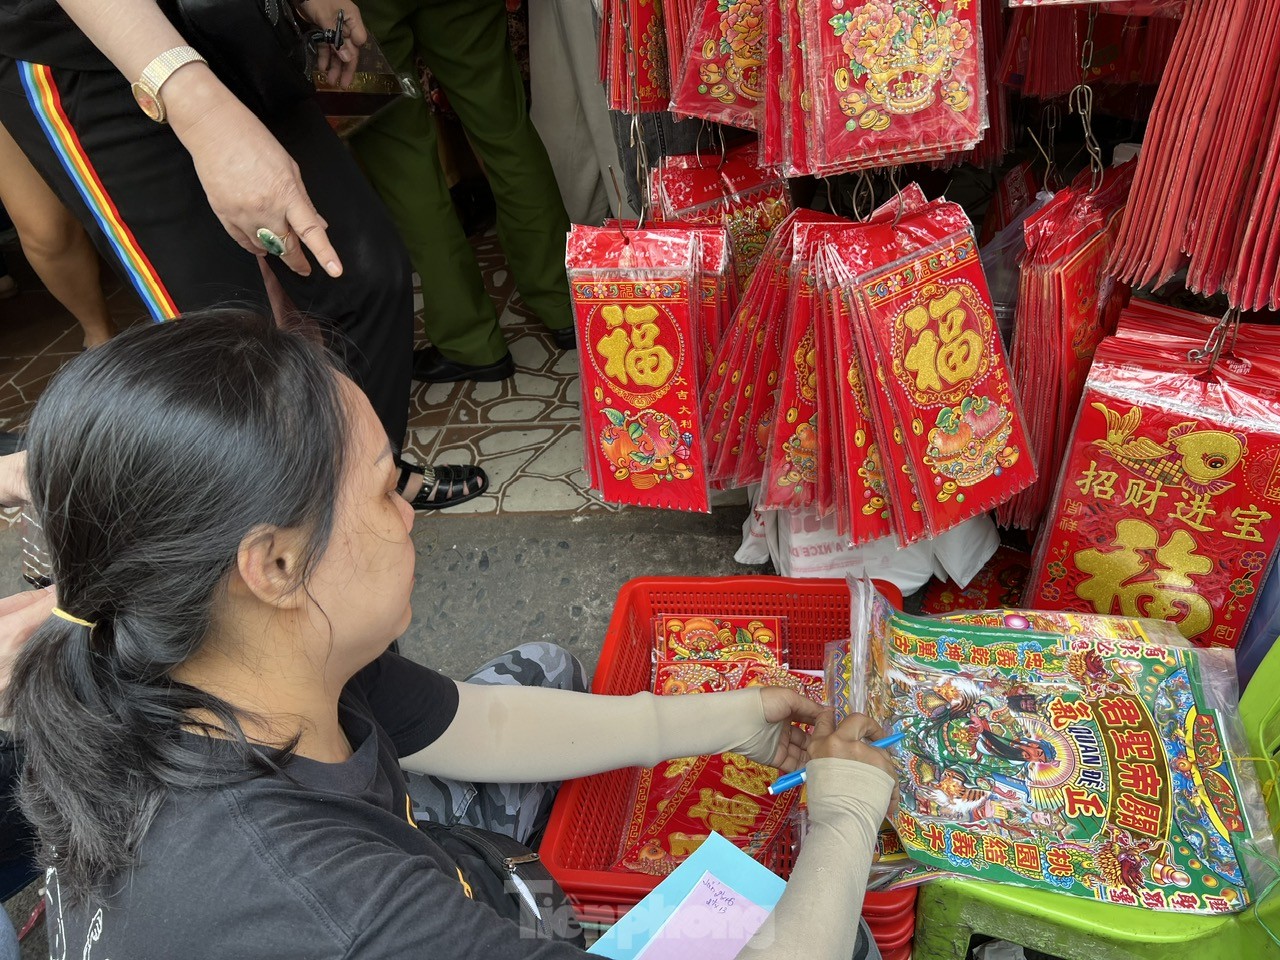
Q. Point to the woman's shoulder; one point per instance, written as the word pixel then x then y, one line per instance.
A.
pixel 260 864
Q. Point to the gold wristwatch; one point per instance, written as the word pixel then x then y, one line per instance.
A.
pixel 146 90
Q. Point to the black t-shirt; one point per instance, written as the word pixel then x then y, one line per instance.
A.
pixel 325 863
pixel 41 32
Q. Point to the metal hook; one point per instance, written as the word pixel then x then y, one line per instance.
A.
pixel 613 175
pixel 864 180
pixel 1081 101
pixel 724 151
pixel 897 194
pixel 1213 346
pixel 1048 160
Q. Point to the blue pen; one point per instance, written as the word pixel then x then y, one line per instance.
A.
pixel 790 780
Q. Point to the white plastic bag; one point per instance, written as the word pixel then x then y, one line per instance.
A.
pixel 755 545
pixel 803 544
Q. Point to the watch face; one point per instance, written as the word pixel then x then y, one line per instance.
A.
pixel 148 102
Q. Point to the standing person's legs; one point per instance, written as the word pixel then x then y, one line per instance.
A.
pixel 519 810
pixel 464 42
pixel 557 114
pixel 569 108
pixel 372 302
pixel 56 246
pixel 399 152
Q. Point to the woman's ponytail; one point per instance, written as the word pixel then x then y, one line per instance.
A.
pixel 151 458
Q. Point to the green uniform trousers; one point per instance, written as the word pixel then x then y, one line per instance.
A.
pixel 464 43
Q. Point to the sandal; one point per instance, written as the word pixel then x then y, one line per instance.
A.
pixel 444 486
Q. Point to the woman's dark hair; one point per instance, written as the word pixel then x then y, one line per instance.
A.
pixel 151 459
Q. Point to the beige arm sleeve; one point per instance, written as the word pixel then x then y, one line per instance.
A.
pixel 817 917
pixel 529 734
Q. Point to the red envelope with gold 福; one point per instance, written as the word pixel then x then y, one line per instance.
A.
pixel 635 299
pixel 1168 504
pixel 929 319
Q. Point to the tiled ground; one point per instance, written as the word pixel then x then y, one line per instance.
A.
pixel 37 336
pixel 524 431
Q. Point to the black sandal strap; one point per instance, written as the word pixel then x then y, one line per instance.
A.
pixel 407 470
pixel 449 485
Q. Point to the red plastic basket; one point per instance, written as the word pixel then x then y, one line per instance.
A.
pixel 889 904
pixel 891 934
pixel 581 841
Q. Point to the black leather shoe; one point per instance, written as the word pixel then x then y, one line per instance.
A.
pixel 566 338
pixel 432 366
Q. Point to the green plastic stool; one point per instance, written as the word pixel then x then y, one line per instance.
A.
pixel 949 912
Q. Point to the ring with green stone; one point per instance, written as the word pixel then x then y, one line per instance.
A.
pixel 272 242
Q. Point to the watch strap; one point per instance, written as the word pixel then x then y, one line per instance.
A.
pixel 163 67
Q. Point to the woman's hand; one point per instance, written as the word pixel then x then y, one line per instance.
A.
pixel 786 708
pixel 250 180
pixel 848 741
pixel 338 66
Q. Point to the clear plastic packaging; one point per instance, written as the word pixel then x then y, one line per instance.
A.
pixel 1167 503
pixel 375 87
pixel 1100 768
pixel 636 301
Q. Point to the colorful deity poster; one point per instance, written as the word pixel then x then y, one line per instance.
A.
pixel 1094 767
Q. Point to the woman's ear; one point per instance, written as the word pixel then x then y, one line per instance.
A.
pixel 270 563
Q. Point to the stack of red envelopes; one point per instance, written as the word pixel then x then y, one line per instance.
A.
pixel 722 76
pixel 633 56
pixel 732 190
pixel 1066 305
pixel 1207 190
pixel 863 374
pixel 677 804
pixel 1168 503
pixel 645 302
pixel 852 86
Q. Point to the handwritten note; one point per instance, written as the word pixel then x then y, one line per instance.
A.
pixel 630 937
pixel 713 922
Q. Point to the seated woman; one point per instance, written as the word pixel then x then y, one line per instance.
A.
pixel 215 730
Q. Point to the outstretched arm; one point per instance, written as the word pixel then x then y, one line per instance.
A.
pixel 850 786
pixel 250 180
pixel 504 734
